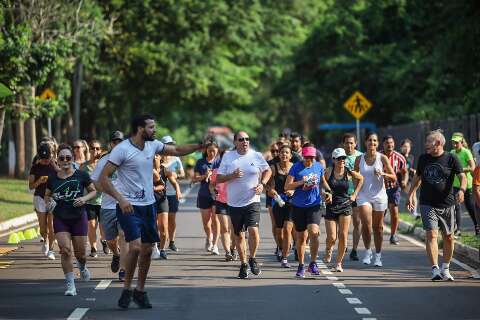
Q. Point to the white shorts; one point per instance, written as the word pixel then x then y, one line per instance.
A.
pixel 39 204
pixel 375 204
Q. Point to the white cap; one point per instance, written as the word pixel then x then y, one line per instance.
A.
pixel 339 152
pixel 168 140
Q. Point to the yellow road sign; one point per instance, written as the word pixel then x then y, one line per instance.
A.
pixel 357 105
pixel 48 94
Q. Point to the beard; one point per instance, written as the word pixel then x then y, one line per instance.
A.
pixel 147 137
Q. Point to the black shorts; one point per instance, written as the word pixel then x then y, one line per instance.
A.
pixel 93 211
pixel 161 203
pixel 393 196
pixel 205 202
pixel 244 217
pixel 172 204
pixel 221 208
pixel 329 215
pixel 302 217
pixel 282 214
pixel 268 202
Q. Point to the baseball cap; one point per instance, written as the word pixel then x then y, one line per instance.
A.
pixel 168 140
pixel 457 138
pixel 44 151
pixel 309 152
pixel 338 152
pixel 117 135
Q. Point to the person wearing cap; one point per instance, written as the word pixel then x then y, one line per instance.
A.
pixel 112 231
pixel 173 165
pixel 39 172
pixel 460 149
pixel 305 178
pixel 339 210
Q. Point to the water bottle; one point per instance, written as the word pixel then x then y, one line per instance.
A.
pixel 279 200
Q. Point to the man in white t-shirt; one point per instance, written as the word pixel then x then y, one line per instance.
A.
pixel 246 173
pixel 133 160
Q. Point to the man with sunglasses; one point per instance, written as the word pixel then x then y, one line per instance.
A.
pixel 246 173
pixel 133 160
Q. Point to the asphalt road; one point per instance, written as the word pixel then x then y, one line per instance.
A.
pixel 192 284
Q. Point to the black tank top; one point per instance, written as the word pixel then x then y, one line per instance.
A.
pixel 163 180
pixel 279 180
pixel 339 188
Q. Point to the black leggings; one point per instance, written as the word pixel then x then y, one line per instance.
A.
pixel 469 204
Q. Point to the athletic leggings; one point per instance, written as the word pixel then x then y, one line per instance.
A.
pixel 469 204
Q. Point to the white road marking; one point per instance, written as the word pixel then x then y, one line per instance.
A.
pixel 77 314
pixel 332 278
pixel 91 299
pixel 354 300
pixel 326 272
pixel 338 285
pixel 362 311
pixel 369 318
pixel 103 285
pixel 345 291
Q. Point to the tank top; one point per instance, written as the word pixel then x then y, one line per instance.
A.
pixel 279 180
pixel 163 180
pixel 339 188
pixel 373 187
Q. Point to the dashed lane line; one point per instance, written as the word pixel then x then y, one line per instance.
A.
pixel 354 300
pixel 77 314
pixel 362 311
pixel 345 291
pixel 103 285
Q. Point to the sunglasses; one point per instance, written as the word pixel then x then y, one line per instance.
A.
pixel 341 158
pixel 95 148
pixel 76 147
pixel 243 139
pixel 65 158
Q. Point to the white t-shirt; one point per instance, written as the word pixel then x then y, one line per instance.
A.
pixel 108 202
pixel 475 152
pixel 135 170
pixel 241 191
pixel 174 165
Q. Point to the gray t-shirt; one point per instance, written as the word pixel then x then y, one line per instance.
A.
pixel 108 202
pixel 135 170
pixel 174 165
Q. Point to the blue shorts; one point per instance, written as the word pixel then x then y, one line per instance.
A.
pixel 142 223
pixel 393 196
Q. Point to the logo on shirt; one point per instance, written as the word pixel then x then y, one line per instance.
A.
pixel 67 191
pixel 311 181
pixel 434 174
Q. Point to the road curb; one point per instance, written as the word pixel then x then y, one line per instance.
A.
pixel 22 222
pixel 462 252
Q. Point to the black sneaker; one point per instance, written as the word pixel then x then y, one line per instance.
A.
pixel 115 265
pixel 354 255
pixel 93 253
pixel 243 274
pixel 394 240
pixel 172 246
pixel 125 299
pixel 141 299
pixel 228 257
pixel 105 247
pixel 254 266
pixel 234 254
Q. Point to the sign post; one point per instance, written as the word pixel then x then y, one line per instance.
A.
pixel 46 95
pixel 358 106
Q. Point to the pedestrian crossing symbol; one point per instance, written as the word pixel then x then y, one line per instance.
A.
pixel 48 94
pixel 357 105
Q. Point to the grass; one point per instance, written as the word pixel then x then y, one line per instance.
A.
pixel 15 200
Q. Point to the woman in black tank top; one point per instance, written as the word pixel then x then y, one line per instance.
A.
pixel 339 209
pixel 280 206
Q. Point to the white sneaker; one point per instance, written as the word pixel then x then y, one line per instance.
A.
pixel 71 290
pixel 378 260
pixel 210 247
pixel 446 275
pixel 436 274
pixel 215 250
pixel 367 258
pixel 51 255
pixel 337 268
pixel 44 249
pixel 155 253
pixel 85 274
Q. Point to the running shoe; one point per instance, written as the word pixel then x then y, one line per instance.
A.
pixel 93 253
pixel 215 250
pixel 300 271
pixel 378 260
pixel 436 274
pixel 228 257
pixel 172 246
pixel 394 239
pixel 276 252
pixel 446 274
pixel 141 299
pixel 155 252
pixel 44 249
pixel 354 255
pixel 234 254
pixel 337 268
pixel 51 255
pixel 125 299
pixel 313 268
pixel 115 265
pixel 367 258
pixel 285 263
pixel 208 245
pixel 254 266
pixel 71 290
pixel 121 275
pixel 279 255
pixel 105 247
pixel 243 274
pixel 85 274
pixel 163 254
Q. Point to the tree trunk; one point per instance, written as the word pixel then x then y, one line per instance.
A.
pixel 77 87
pixel 30 136
pixel 3 111
pixel 20 148
pixel 58 128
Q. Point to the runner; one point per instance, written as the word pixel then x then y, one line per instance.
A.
pixel 173 164
pixel 133 159
pixel 296 141
pixel 203 171
pixel 349 145
pixel 405 150
pixel 81 152
pixel 113 232
pixel 305 178
pixel 93 206
pixel 274 150
pixel 338 212
pixel 476 194
pixel 399 166
pixel 64 197
pixel 246 173
pixel 460 149
pixel 41 169
pixel 435 173
pixel 372 199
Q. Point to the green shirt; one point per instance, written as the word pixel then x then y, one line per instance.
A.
pixel 88 168
pixel 464 156
pixel 350 164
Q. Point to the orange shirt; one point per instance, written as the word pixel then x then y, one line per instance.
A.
pixel 476 176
